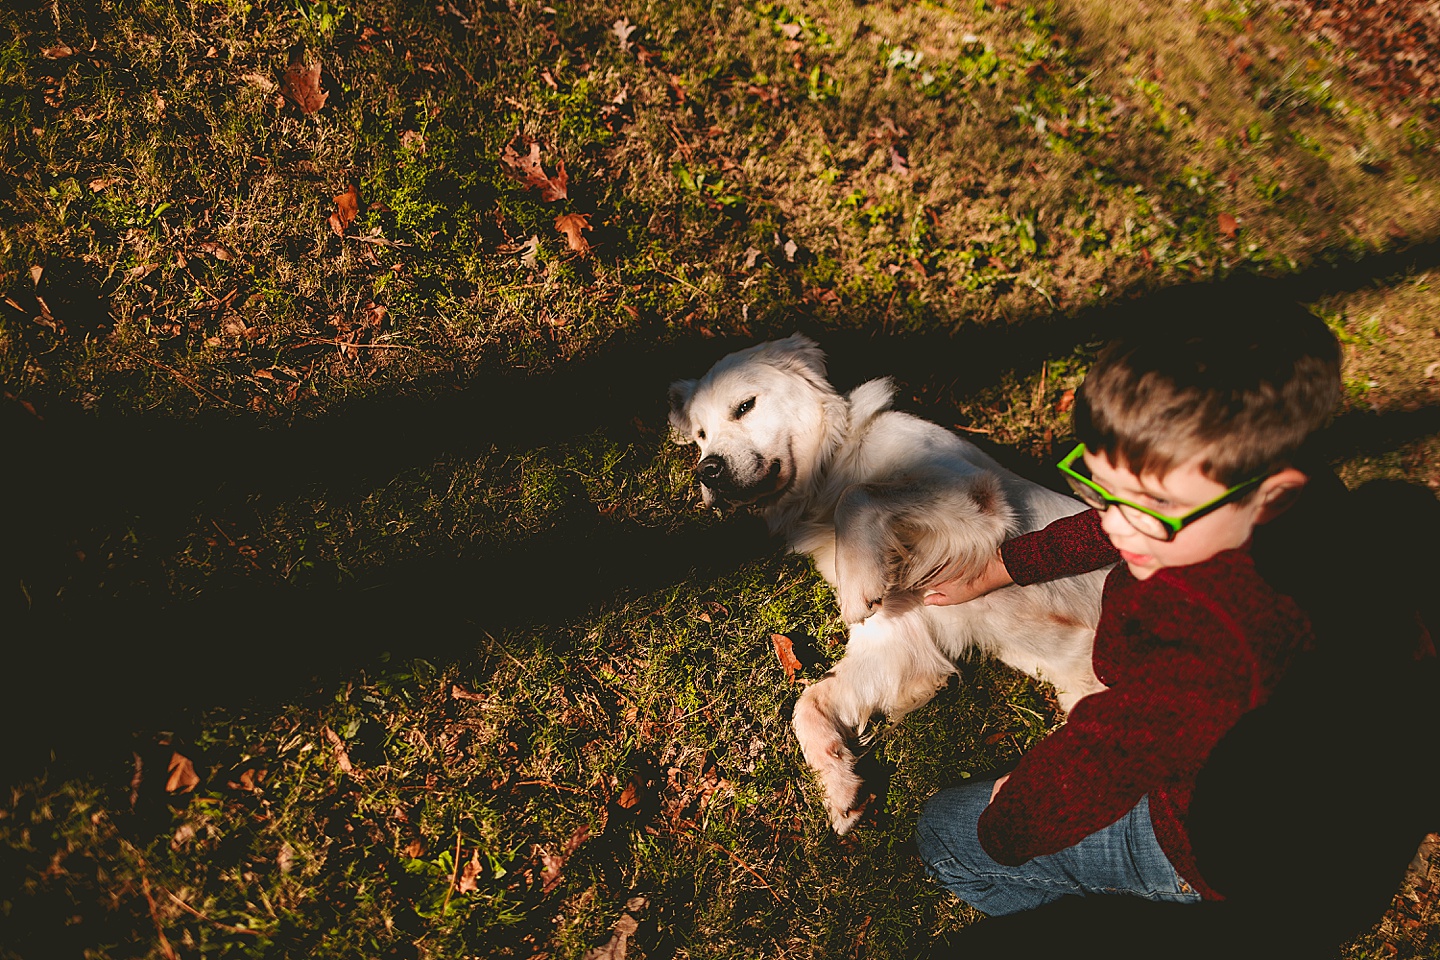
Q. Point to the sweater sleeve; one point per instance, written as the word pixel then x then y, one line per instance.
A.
pixel 1154 728
pixel 1067 547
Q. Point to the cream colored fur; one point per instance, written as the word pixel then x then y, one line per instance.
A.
pixel 883 502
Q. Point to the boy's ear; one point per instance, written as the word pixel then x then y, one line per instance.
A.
pixel 1278 492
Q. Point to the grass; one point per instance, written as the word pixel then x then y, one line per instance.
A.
pixel 418 583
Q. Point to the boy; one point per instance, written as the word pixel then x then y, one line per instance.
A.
pixel 1188 442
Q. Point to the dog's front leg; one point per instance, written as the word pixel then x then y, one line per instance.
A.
pixel 865 545
pixel 895 537
pixel 890 668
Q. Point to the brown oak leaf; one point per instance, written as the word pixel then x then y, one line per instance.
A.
pixel 183 777
pixel 785 650
pixel 469 879
pixel 1228 225
pixel 528 171
pixel 615 948
pixel 301 86
pixel 571 224
pixel 347 208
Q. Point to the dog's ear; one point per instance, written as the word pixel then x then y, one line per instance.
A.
pixel 680 393
pixel 797 351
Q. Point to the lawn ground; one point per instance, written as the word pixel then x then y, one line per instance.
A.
pixel 360 605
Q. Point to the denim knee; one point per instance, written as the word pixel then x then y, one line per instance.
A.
pixel 947 833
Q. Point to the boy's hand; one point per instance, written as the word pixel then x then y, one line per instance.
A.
pixel 996 788
pixel 946 592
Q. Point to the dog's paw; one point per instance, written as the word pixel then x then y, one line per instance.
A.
pixel 861 588
pixel 857 604
pixel 843 818
pixel 826 746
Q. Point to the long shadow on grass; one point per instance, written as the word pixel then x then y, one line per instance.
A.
pixel 72 472
pixel 90 673
pixel 79 683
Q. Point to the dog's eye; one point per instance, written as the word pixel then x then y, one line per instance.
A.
pixel 745 407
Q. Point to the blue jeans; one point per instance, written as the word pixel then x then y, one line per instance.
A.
pixel 1124 857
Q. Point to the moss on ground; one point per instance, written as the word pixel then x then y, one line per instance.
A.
pixel 419 586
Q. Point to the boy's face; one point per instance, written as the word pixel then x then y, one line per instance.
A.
pixel 1175 494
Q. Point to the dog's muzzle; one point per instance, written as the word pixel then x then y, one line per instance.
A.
pixel 715 475
pixel 711 471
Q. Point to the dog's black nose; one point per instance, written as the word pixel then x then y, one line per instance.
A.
pixel 711 469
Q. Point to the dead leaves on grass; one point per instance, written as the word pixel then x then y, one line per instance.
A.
pixel 620 934
pixel 347 208
pixel 527 169
pixel 785 651
pixel 300 85
pixel 571 226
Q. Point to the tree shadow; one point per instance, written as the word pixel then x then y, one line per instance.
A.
pixel 87 470
pixel 83 675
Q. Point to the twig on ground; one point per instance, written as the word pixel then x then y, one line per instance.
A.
pixel 228 928
pixel 551 784
pixel 454 872
pixel 195 387
pixel 691 825
pixel 165 948
pixel 361 346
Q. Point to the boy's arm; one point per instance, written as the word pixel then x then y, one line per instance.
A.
pixel 1157 726
pixel 1067 547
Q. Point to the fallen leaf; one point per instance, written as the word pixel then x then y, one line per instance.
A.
pixel 347 208
pixel 791 30
pixel 183 777
pixel 553 864
pixel 622 29
pixel 469 879
pixel 1066 401
pixel 301 86
pixel 216 250
pixel 415 848
pixel 530 253
pixel 1432 369
pixel 898 164
pixel 571 225
pixel 615 947
pixel 183 835
pixel 265 84
pixel 551 867
pixel 458 692
pixel 338 745
pixel 1228 225
pixel 58 52
pixel 100 183
pixel 246 781
pixel 285 858
pixel 785 650
pixel 527 170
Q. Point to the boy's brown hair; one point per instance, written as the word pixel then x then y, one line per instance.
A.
pixel 1245 390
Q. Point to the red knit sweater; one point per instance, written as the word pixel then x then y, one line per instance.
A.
pixel 1184 654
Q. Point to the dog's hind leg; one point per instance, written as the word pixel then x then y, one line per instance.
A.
pixel 890 668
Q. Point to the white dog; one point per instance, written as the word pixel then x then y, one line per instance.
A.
pixel 884 503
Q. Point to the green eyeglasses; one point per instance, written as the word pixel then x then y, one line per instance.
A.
pixel 1143 519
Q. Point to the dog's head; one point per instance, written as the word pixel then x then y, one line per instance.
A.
pixel 759 419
